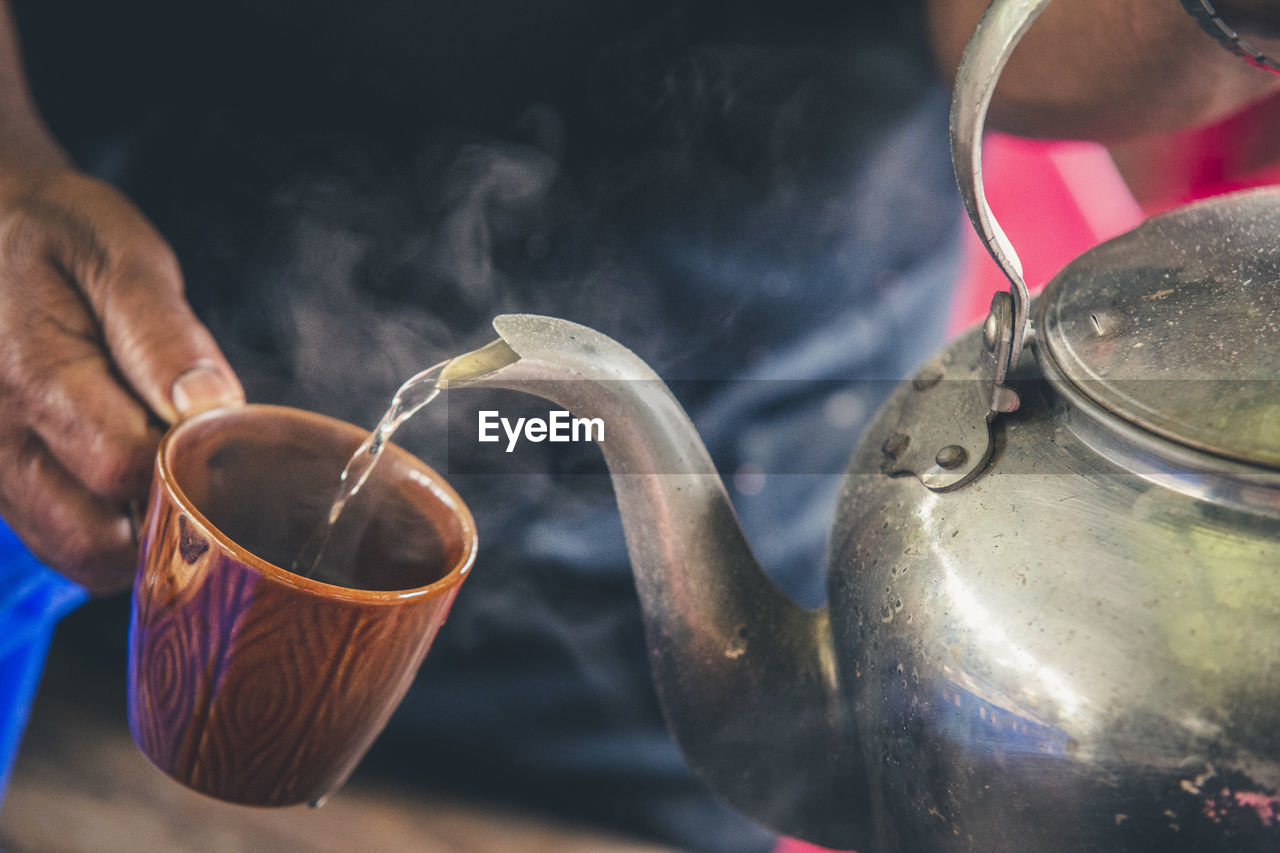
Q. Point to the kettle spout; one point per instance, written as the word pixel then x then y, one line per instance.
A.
pixel 745 676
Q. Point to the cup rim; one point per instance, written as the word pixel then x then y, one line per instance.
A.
pixel 435 482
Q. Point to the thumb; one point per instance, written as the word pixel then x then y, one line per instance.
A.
pixel 163 351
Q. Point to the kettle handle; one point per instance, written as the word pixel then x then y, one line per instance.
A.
pixel 949 453
pixel 1008 326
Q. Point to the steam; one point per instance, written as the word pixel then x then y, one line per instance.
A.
pixel 737 208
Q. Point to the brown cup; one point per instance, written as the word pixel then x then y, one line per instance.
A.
pixel 251 683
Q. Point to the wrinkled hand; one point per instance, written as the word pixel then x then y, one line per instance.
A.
pixel 97 347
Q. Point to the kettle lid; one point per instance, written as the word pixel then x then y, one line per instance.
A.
pixel 1174 327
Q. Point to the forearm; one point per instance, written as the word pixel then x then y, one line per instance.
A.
pixel 23 135
pixel 1111 69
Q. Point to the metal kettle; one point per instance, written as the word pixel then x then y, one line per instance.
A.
pixel 1053 618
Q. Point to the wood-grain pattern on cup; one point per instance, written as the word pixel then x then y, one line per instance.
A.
pixel 257 686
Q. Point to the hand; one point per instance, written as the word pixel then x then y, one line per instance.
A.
pixel 98 347
pixel 1256 18
pixel 1108 71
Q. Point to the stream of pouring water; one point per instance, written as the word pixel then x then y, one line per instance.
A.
pixel 408 400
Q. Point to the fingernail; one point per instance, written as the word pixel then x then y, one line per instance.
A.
pixel 203 387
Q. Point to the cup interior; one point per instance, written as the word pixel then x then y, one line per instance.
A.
pixel 262 478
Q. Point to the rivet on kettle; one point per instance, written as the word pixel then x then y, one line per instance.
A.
pixel 895 445
pixel 991 331
pixel 951 456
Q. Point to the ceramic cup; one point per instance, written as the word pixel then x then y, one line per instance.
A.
pixel 252 683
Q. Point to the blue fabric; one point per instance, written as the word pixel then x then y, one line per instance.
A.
pixel 561 698
pixel 32 600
